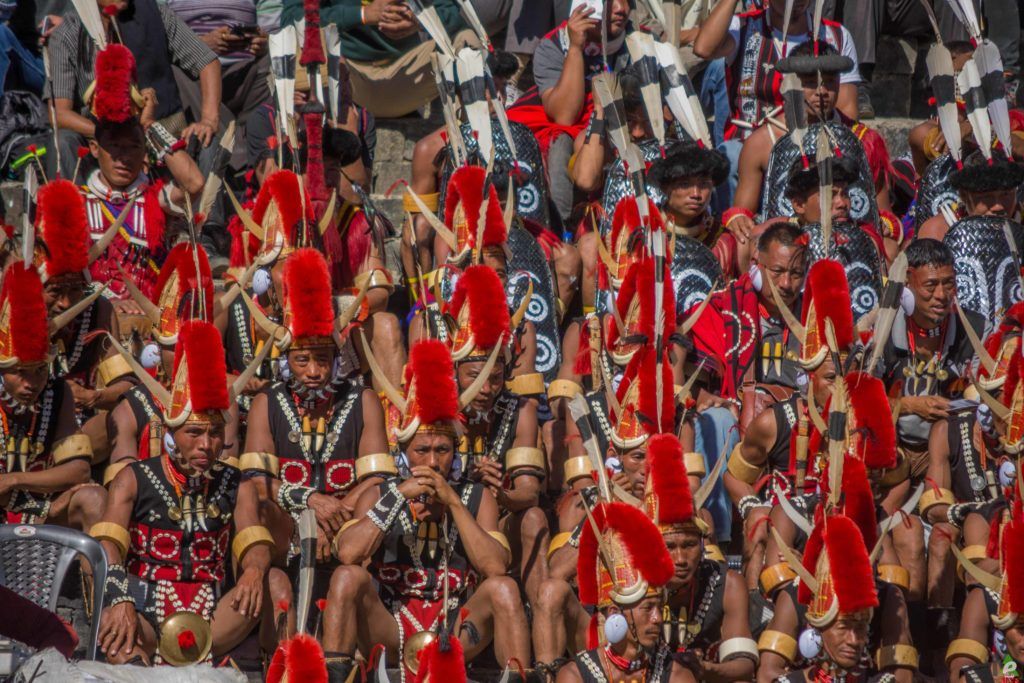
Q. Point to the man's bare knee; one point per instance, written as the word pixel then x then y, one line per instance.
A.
pixel 347 583
pixel 552 596
pixel 504 594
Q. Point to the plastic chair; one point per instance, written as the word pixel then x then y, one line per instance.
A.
pixel 34 559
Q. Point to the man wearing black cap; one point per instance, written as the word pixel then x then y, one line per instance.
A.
pixel 687 176
pixel 987 187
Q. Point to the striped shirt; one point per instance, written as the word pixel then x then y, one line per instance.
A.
pixel 204 16
pixel 72 54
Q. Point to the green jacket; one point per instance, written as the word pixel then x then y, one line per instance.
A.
pixel 366 43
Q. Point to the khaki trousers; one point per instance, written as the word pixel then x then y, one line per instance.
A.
pixel 395 88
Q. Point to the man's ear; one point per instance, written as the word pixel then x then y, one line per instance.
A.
pixel 799 205
pixel 94 148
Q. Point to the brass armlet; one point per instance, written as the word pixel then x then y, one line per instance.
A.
pixel 557 541
pixel 738 647
pixel 965 647
pixel 531 384
pixel 110 369
pixel 247 538
pixel 563 388
pixel 894 574
pixel 260 462
pixel 500 538
pixel 777 642
pixel 524 456
pixel 775 576
pixel 375 463
pixel 694 463
pixel 112 471
pixel 931 498
pixel 577 468
pixel 69 448
pixel 741 469
pixel 896 656
pixel 713 552
pixel 113 532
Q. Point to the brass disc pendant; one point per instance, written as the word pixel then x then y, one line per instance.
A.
pixel 174 512
pixel 212 511
pixel 294 436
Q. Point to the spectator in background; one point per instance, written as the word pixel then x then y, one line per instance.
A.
pixel 158 39
pixel 388 61
pixel 231 30
pixel 21 65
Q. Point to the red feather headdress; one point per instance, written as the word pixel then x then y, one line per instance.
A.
pixel 200 372
pixel 279 209
pixel 843 571
pixel 308 309
pixel 437 666
pixel 871 428
pixel 480 309
pixel 433 397
pixel 179 288
pixel 298 660
pixel 115 74
pixel 24 328
pixel 634 550
pixel 64 228
pixel 826 298
pixel 466 193
pixel 668 499
pixel 635 303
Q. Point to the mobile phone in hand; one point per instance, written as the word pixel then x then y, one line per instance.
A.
pixel 245 30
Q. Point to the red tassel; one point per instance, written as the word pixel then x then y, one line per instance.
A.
pixel 153 216
pixel 312 50
pixel 186 640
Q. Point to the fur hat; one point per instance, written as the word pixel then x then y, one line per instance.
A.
pixel 803 181
pixel 980 175
pixel 308 307
pixel 64 228
pixel 24 329
pixel 113 94
pixel 687 160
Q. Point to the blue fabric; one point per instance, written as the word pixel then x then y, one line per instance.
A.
pixel 724 193
pixel 717 432
pixel 714 97
pixel 14 55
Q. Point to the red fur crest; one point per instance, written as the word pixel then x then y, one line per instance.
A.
pixel 29 329
pixel 307 289
pixel 874 434
pixel 431 372
pixel 852 575
pixel 859 501
pixel 282 188
pixel 181 261
pixel 829 291
pixel 667 479
pixel 480 288
pixel 115 73
pixel 466 186
pixel 1013 566
pixel 207 370
pixel 65 227
pixel 441 667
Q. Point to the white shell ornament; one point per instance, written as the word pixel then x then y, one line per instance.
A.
pixel 1007 473
pixel 261 282
pixel 615 628
pixel 907 301
pixel 169 444
pixel 756 279
pixel 150 356
pixel 810 643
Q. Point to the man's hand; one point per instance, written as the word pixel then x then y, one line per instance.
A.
pixel 254 386
pixel 221 40
pixel 8 482
pixel 51 22
pixel 372 13
pixel 580 21
pixel 148 113
pixel 248 595
pixel 398 22
pixel 258 44
pixel 443 492
pixel 741 228
pixel 119 629
pixel 84 398
pixel 203 130
pixel 929 408
pixel 127 307
pixel 489 472
pixel 330 513
pixel 323 547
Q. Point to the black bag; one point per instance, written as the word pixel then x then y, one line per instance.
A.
pixel 23 122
